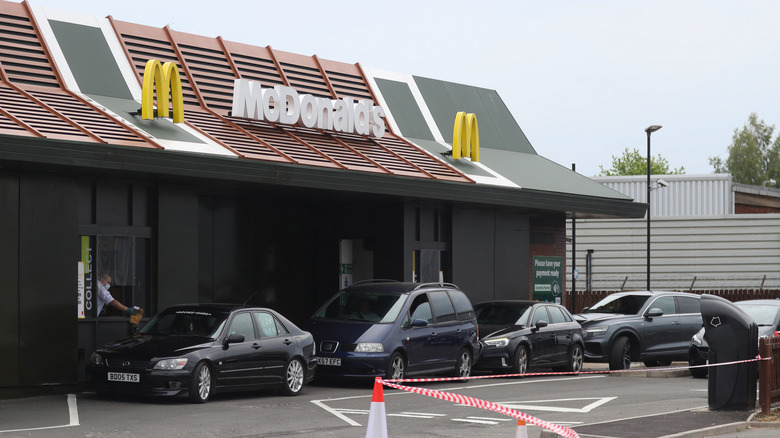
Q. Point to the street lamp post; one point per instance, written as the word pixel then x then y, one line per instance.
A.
pixel 650 129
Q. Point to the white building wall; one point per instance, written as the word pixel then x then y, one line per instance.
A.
pixel 705 252
pixel 686 195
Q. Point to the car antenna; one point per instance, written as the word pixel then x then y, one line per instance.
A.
pixel 250 297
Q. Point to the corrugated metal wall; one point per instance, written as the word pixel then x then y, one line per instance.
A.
pixel 686 195
pixel 708 252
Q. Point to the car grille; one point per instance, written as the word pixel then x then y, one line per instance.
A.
pixel 118 362
pixel 348 347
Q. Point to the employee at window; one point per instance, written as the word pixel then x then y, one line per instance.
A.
pixel 105 298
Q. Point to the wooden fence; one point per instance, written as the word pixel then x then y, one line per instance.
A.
pixel 768 373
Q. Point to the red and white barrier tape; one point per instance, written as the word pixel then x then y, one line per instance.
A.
pixel 639 370
pixel 482 404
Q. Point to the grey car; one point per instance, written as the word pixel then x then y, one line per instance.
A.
pixel 652 327
pixel 766 313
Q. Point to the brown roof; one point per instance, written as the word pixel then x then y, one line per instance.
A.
pixel 34 100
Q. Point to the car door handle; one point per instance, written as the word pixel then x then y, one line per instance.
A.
pixel 287 342
pixel 257 346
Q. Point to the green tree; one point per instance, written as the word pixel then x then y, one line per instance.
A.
pixel 753 156
pixel 633 163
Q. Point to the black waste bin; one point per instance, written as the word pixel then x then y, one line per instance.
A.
pixel 732 336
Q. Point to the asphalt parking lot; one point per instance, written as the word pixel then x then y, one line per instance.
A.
pixel 637 404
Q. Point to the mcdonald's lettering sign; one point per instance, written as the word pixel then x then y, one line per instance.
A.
pixel 465 137
pixel 165 78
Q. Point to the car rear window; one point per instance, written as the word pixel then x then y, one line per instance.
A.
pixel 689 305
pixel 763 315
pixel 442 306
pixel 462 305
pixel 556 316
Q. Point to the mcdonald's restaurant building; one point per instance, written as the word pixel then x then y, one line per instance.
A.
pixel 195 169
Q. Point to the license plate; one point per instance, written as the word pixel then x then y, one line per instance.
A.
pixel 329 361
pixel 124 377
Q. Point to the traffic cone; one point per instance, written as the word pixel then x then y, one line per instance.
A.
pixel 522 431
pixel 377 420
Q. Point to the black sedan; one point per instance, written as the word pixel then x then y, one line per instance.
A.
pixel 200 349
pixel 519 335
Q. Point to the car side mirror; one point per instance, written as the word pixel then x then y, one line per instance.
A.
pixel 540 324
pixel 419 323
pixel 585 309
pixel 654 313
pixel 234 338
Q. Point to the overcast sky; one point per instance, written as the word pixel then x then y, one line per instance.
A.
pixel 583 79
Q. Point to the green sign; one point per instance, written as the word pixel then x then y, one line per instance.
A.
pixel 548 279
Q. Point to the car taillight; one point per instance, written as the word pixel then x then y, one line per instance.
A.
pixel 777 333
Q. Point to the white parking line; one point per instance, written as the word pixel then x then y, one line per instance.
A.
pixel 73 414
pixel 340 412
pixel 536 405
pixel 474 420
pixel 335 412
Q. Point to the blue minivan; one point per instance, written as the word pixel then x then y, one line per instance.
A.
pixel 383 328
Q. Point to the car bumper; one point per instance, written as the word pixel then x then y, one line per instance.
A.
pixel 597 350
pixel 698 356
pixel 367 365
pixel 493 358
pixel 152 383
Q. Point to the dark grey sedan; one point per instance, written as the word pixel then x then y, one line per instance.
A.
pixel 518 335
pixel 652 327
pixel 200 349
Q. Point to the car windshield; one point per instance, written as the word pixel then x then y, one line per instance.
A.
pixel 370 306
pixel 621 304
pixel 502 314
pixel 761 314
pixel 201 323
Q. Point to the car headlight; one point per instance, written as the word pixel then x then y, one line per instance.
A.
pixel 497 342
pixel 96 359
pixel 369 347
pixel 171 364
pixel 595 331
pixel 696 340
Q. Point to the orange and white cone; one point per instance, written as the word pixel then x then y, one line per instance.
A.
pixel 377 420
pixel 522 430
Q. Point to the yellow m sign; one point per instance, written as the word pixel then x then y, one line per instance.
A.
pixel 166 78
pixel 465 136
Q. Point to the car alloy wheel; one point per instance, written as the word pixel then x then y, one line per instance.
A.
pixel 620 354
pixel 575 359
pixel 397 367
pixel 464 363
pixel 521 360
pixel 200 386
pixel 294 377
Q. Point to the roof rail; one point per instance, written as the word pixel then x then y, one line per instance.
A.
pixel 429 285
pixel 376 280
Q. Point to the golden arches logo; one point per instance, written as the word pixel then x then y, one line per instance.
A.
pixel 166 78
pixel 465 136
